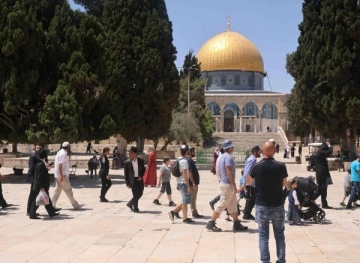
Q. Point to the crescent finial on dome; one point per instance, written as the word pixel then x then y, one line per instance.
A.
pixel 228 23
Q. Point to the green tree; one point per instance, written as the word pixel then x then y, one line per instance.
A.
pixel 143 82
pixel 21 53
pixel 325 67
pixel 208 125
pixel 191 66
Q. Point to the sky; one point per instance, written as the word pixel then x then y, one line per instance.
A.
pixel 272 25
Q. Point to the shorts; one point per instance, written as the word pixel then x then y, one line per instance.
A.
pixel 347 191
pixel 184 193
pixel 165 187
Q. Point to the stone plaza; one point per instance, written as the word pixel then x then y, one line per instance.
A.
pixel 110 232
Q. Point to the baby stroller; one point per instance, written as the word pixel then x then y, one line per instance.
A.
pixel 307 193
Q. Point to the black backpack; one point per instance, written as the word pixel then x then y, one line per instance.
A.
pixel 175 169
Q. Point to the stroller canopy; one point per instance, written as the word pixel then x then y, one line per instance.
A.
pixel 305 185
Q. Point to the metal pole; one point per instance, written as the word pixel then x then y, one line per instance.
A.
pixel 189 92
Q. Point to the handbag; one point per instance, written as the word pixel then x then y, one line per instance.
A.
pixel 329 180
pixel 42 199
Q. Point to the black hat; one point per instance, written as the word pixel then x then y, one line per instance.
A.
pixel 42 154
pixel 133 149
pixel 191 148
pixel 255 149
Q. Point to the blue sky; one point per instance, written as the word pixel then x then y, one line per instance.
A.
pixel 272 25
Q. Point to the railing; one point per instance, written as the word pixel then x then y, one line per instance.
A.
pixel 205 157
pixel 283 136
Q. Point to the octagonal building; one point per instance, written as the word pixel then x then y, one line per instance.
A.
pixel 235 93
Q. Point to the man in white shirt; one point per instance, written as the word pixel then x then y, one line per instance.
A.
pixel 61 175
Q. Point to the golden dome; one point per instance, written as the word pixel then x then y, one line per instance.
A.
pixel 230 51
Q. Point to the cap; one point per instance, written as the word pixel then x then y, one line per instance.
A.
pixel 133 149
pixel 227 144
pixel 255 149
pixel 184 147
pixel 65 144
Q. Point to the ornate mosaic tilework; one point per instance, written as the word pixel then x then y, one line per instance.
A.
pixel 223 80
pixel 230 80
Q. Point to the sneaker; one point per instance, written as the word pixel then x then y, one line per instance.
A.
pixel 212 205
pixel 248 217
pixel 171 215
pixel 172 203
pixel 228 219
pixel 342 204
pixel 156 202
pixel 188 221
pixel 211 225
pixel 238 226
pixel 79 207
pixel 196 215
pixel 176 214
pixel 103 200
pixel 356 205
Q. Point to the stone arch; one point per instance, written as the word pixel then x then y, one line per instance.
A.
pixel 231 110
pixel 269 111
pixel 214 108
pixel 269 116
pixel 250 109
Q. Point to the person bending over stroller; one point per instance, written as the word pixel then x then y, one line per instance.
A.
pixel 293 214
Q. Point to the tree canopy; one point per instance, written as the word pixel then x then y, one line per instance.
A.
pixel 81 76
pixel 325 68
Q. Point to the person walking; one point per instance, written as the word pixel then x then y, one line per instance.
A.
pixel 228 190
pixel 3 202
pixel 164 181
pixel 250 189
pixel 355 179
pixel 300 150
pixel 104 174
pixel 62 165
pixel 33 159
pixel 194 173
pixel 88 148
pixel 270 178
pixel 150 173
pixel 183 184
pixel 217 198
pixel 215 156
pixel 41 183
pixel 134 170
pixel 322 173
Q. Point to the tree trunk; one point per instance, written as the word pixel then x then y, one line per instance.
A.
pixel 140 144
pixel 156 143
pixel 167 142
pixel 349 143
pixel 14 147
pixel 122 146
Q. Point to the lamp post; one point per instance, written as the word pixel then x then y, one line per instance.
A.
pixel 189 72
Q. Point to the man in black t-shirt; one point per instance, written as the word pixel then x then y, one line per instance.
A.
pixel 194 174
pixel 271 177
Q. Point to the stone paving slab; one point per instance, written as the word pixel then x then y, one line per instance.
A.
pixel 110 232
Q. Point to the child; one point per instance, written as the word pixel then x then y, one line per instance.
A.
pixel 293 214
pixel 347 187
pixel 164 181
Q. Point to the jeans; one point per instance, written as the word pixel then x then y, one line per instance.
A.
pixel 355 190
pixel 186 198
pixel 277 216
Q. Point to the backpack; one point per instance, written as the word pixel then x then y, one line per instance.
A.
pixel 175 169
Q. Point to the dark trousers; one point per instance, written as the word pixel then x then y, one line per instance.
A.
pixel 105 185
pixel 250 200
pixel 32 196
pixel 215 200
pixel 323 194
pixel 137 191
pixel 91 172
pixel 49 208
pixel 2 200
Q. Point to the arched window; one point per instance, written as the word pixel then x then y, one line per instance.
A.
pixel 214 108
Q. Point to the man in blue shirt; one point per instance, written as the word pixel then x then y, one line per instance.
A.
pixel 250 189
pixel 355 179
pixel 228 190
